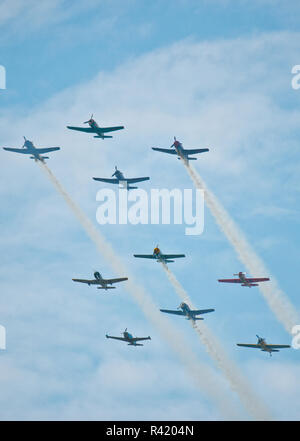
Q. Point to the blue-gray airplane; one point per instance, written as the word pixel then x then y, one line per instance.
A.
pixel 120 179
pixel 159 256
pixel 186 311
pixel 263 346
pixel 128 338
pixel 94 128
pixel 29 149
pixel 100 281
pixel 177 149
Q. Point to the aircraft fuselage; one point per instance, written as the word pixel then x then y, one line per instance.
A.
pixel 32 151
pixel 159 256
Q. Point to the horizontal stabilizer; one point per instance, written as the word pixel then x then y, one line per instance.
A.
pixel 102 137
pixel 108 287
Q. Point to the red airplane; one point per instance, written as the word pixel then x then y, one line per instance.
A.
pixel 245 281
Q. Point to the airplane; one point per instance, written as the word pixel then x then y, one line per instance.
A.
pixel 262 345
pixel 120 179
pixel 94 128
pixel 190 314
pixel 159 256
pixel 29 149
pixel 132 341
pixel 100 281
pixel 180 151
pixel 245 281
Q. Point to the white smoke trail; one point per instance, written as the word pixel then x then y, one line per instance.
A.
pixel 275 297
pixel 203 376
pixel 238 383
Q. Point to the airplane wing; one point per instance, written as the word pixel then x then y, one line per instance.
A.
pixel 145 256
pixel 121 279
pixel 172 256
pixel 109 129
pixel 193 151
pixel 258 279
pixel 140 338
pixel 24 151
pixel 82 129
pixel 108 181
pixel 245 345
pixel 171 152
pixel 47 149
pixel 201 311
pixel 134 180
pixel 116 338
pixel 84 281
pixel 171 311
pixel 277 346
pixel 230 280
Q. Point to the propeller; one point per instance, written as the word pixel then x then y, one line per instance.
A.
pixel 24 142
pixel 85 122
pixel 173 142
pixel 116 169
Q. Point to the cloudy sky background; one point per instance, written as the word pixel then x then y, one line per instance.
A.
pixel 215 74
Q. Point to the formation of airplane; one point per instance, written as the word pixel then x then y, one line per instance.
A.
pixel 120 179
pixel 98 280
pixel 94 128
pixel 263 346
pixel 177 149
pixel 159 256
pixel 186 311
pixel 245 281
pixel 183 310
pixel 29 149
pixel 128 338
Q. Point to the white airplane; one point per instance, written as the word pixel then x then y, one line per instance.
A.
pixel 94 128
pixel 180 151
pixel 120 179
pixel 100 281
pixel 29 149
pixel 190 314
pixel 132 341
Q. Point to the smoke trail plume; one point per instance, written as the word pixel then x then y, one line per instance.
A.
pixel 203 376
pixel 274 296
pixel 214 348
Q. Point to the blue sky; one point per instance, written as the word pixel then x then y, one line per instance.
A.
pixel 216 74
